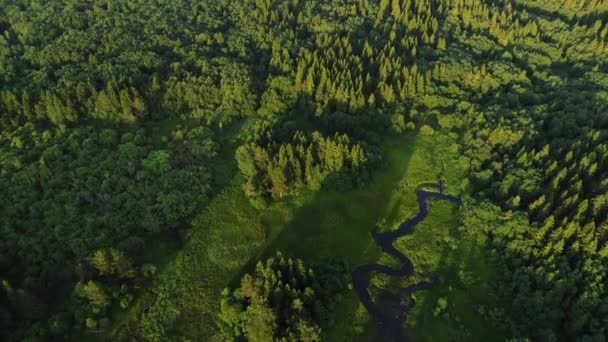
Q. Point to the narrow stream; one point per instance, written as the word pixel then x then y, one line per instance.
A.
pixel 390 316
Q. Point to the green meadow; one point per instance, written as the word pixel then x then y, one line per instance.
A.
pixel 229 236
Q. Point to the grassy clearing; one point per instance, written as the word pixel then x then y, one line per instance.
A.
pixel 457 263
pixel 229 236
pixel 461 272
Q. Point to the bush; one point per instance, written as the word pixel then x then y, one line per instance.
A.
pixel 148 270
pixel 91 323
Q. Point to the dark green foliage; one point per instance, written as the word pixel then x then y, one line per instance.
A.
pixel 93 190
pixel 75 192
pixel 112 282
pixel 92 165
pixel 283 299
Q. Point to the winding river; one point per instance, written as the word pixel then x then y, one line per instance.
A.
pixel 390 315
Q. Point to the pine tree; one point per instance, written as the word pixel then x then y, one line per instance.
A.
pixel 278 182
pixel 309 83
pixel 309 166
pixel 441 44
pixel 125 104
pixel 26 106
pixel 396 9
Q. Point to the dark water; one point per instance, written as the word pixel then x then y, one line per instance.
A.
pixel 390 315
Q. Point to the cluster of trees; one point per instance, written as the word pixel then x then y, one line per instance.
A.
pixel 120 62
pixel 277 170
pixel 560 259
pixel 111 104
pixel 284 300
pixel 357 72
pixel 339 75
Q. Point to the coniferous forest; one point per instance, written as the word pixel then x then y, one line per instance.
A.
pixel 217 170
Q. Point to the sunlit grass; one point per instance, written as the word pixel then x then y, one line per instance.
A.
pixel 229 236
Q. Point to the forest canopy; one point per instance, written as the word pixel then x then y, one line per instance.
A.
pixel 120 122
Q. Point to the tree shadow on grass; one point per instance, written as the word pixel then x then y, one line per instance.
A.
pixel 335 224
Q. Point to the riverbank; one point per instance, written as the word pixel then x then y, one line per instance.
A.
pixel 390 315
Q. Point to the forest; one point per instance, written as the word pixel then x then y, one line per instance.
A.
pixel 214 170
